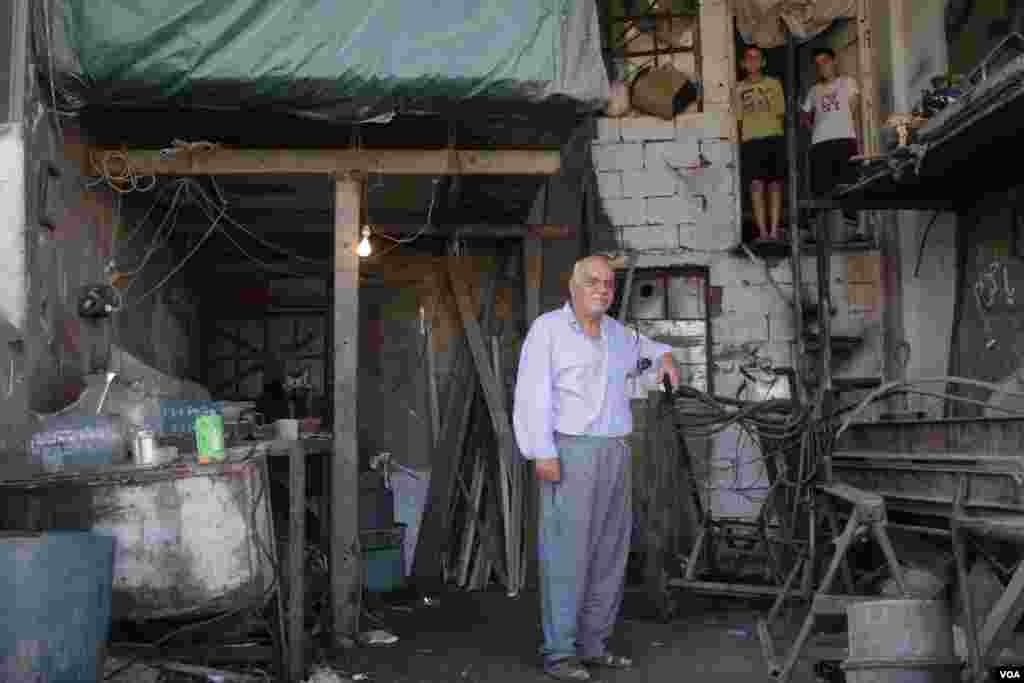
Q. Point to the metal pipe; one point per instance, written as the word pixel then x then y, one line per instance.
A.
pixel 792 151
pixel 824 252
pixel 103 396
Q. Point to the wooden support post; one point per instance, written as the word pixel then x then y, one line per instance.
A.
pixel 533 271
pixel 348 198
pixel 296 562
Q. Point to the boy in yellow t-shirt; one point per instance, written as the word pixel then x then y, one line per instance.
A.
pixel 760 113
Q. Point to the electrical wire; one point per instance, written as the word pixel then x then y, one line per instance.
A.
pixel 160 236
pixel 924 242
pixel 426 225
pixel 263 264
pixel 53 72
pixel 126 180
pixel 188 257
pixel 267 243
pixel 893 386
pixel 142 222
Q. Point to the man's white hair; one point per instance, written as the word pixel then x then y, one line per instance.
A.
pixel 581 270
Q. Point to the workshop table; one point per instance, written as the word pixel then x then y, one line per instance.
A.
pixel 297 451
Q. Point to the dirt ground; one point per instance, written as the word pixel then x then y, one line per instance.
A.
pixel 477 637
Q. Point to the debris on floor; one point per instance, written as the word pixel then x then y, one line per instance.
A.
pixel 378 638
pixel 323 674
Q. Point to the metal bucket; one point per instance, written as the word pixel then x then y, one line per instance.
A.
pixel 55 589
pixel 901 641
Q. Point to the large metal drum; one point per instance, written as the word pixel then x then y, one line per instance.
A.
pixel 901 641
pixel 190 540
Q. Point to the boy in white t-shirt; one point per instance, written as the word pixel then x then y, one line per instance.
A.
pixel 832 111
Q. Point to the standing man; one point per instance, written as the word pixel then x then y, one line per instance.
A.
pixel 832 112
pixel 760 115
pixel 571 417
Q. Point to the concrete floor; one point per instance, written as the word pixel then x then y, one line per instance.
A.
pixel 478 637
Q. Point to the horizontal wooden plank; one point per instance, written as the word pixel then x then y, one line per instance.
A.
pixel 837 604
pixel 317 222
pixel 226 161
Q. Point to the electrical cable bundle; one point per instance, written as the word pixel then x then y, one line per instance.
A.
pixel 701 415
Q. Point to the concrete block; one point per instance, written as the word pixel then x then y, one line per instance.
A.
pixel 609 130
pixel 719 152
pixel 780 327
pixel 609 185
pixel 782 272
pixel 688 235
pixel 864 268
pixel 706 125
pixel 738 328
pixel 736 271
pixel 650 237
pixel 711 236
pixel 670 210
pixel 651 182
pixel 625 211
pixel 676 153
pixel 624 157
pixel 761 298
pixel 644 128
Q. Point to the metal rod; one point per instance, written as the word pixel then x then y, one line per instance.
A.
pixel 792 151
pixel 824 252
pixel 842 545
pixel 975 665
pixel 103 397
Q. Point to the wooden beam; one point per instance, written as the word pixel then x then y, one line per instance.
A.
pixel 321 222
pixel 348 197
pixel 224 161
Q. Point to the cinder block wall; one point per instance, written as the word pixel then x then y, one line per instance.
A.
pixel 663 220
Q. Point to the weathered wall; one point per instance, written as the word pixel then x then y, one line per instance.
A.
pixel 993 237
pixel 68 235
pixel 912 49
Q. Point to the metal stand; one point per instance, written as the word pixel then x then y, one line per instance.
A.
pixel 1008 610
pixel 868 516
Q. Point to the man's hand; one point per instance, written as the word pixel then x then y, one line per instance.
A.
pixel 549 469
pixel 668 368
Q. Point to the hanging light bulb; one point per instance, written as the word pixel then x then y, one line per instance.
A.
pixel 364 249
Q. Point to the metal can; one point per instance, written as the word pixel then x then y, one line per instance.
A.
pixel 145 448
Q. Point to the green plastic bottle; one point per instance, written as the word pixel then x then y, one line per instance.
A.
pixel 210 438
